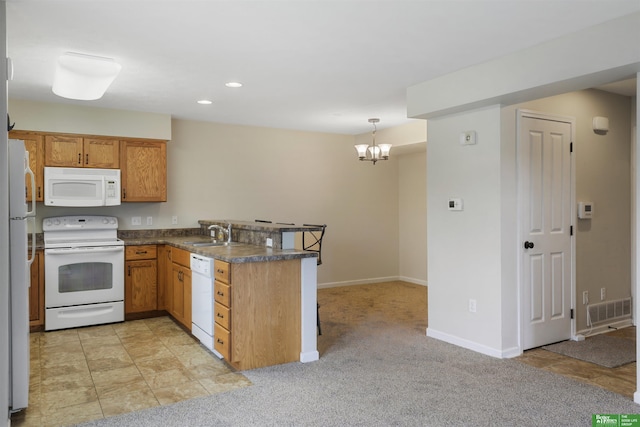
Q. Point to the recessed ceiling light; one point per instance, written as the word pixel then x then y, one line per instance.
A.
pixel 204 102
pixel 233 84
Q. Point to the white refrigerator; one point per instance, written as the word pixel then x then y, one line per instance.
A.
pixel 19 271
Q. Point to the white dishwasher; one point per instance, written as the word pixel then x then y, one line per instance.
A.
pixel 202 299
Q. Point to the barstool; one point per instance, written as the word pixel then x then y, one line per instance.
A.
pixel 313 243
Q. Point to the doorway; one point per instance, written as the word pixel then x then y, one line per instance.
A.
pixel 545 201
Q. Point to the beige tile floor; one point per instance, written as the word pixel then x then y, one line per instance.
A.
pixel 621 380
pixel 88 373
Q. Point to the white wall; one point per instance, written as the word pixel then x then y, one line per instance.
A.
pixel 596 55
pixel 450 103
pixel 412 211
pixel 69 118
pixel 241 172
pixel 464 248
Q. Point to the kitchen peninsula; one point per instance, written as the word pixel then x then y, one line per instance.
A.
pixel 265 296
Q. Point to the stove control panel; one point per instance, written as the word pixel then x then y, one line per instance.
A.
pixel 80 222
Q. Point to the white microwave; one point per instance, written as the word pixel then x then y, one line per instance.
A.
pixel 81 187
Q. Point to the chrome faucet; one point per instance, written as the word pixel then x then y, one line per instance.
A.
pixel 226 231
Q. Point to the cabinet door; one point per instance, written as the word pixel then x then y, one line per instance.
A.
pixel 187 298
pixel 181 295
pixel 36 291
pixel 101 153
pixel 141 286
pixel 164 277
pixel 35 146
pixel 143 169
pixel 63 151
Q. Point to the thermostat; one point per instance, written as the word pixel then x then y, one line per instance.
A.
pixel 585 210
pixel 455 204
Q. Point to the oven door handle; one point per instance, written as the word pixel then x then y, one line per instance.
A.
pixel 91 250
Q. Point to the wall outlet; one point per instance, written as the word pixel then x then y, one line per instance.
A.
pixel 472 306
pixel 149 220
pixel 603 294
pixel 136 220
pixel 585 297
pixel 269 242
pixel 174 219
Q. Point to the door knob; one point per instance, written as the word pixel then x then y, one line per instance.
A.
pixel 528 245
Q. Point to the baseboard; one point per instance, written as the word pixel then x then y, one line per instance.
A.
pixel 604 328
pixel 413 280
pixel 471 345
pixel 309 356
pixel 370 281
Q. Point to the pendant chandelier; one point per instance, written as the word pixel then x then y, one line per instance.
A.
pixel 373 152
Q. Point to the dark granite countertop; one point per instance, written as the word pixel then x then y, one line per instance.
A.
pixel 261 226
pixel 238 253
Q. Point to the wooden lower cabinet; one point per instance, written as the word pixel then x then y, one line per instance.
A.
pixel 36 292
pixel 180 287
pixel 165 269
pixel 260 325
pixel 141 279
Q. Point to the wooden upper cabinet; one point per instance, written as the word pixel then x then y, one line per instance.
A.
pixel 34 144
pixel 143 170
pixel 79 152
pixel 101 153
pixel 63 151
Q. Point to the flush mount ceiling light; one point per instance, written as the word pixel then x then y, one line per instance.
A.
pixel 233 84
pixel 373 152
pixel 204 102
pixel 83 77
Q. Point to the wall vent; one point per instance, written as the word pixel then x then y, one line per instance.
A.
pixel 608 310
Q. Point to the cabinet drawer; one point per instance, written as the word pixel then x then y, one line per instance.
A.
pixel 140 252
pixel 222 315
pixel 180 256
pixel 221 271
pixel 222 293
pixel 222 341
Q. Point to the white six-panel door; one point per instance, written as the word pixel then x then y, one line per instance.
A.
pixel 545 240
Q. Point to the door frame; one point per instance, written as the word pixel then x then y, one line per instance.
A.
pixel 520 114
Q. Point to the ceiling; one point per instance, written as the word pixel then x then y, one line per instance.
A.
pixel 320 65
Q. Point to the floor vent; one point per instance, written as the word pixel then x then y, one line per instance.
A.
pixel 608 310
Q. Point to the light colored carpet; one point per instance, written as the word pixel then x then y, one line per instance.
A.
pixel 382 375
pixel 602 350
